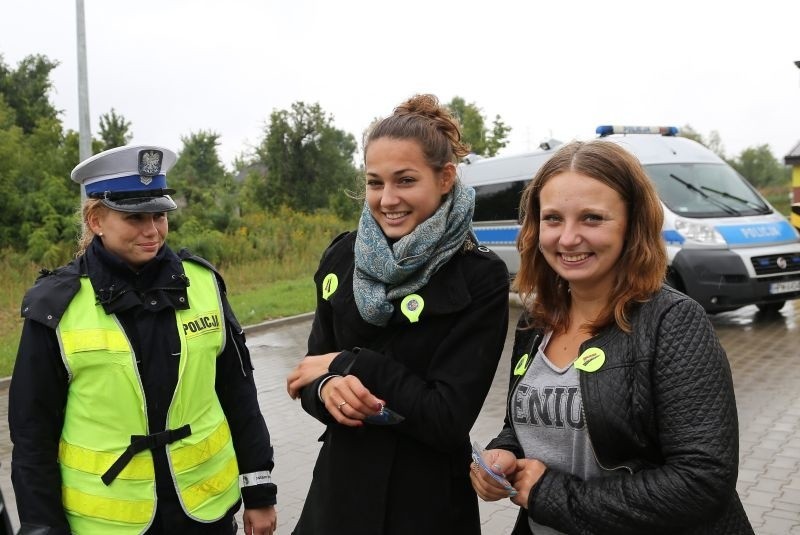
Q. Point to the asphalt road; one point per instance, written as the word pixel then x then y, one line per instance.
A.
pixel 764 357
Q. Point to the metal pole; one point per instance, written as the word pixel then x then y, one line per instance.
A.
pixel 84 126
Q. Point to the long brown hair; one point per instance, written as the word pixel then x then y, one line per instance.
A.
pixel 642 265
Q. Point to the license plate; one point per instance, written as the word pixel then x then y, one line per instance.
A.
pixel 784 287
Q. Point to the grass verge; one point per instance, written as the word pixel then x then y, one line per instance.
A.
pixel 252 304
pixel 276 300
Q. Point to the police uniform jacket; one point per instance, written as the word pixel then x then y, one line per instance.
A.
pixel 661 416
pixel 145 303
pixel 410 477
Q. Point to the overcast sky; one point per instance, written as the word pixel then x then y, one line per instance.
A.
pixel 549 69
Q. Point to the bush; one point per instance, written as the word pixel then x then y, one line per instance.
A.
pixel 281 237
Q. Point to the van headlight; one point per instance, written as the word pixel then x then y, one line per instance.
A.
pixel 699 232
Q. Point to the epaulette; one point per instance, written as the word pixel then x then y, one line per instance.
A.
pixel 339 238
pixel 186 254
pixel 335 243
pixel 51 294
pixel 471 245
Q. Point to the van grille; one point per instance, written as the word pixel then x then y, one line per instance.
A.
pixel 776 263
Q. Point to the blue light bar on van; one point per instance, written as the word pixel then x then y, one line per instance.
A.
pixel 607 130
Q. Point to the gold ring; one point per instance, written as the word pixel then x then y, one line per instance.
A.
pixel 340 405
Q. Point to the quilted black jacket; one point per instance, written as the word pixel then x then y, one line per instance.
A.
pixel 660 413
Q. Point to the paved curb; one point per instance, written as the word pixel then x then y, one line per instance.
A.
pixel 249 329
pixel 280 322
pixel 513 300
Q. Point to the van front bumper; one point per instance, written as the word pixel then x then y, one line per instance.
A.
pixel 720 281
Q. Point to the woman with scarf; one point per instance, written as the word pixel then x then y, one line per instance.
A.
pixel 410 323
pixel 132 407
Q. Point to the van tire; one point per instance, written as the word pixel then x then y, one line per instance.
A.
pixel 770 308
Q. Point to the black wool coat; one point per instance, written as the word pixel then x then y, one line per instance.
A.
pixel 411 477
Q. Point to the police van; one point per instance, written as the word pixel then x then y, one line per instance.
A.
pixel 727 246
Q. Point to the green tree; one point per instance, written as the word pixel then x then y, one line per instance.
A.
pixel 498 138
pixel 760 167
pixel 203 187
pixel 51 240
pixel 474 131
pixel 688 132
pixel 308 162
pixel 26 90
pixel 713 142
pixel 37 209
pixel 49 198
pixel 114 130
pixel 12 158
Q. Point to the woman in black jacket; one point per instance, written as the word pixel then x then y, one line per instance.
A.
pixel 410 323
pixel 621 414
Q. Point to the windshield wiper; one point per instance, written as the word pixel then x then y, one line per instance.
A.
pixel 760 208
pixel 713 200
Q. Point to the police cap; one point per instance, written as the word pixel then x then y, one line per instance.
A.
pixel 129 179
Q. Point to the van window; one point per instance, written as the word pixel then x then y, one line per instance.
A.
pixel 705 190
pixel 498 202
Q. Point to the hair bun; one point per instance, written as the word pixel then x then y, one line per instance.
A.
pixel 425 120
pixel 426 105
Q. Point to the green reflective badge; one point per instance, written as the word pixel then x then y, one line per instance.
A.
pixel 329 285
pixel 591 360
pixel 522 365
pixel 412 306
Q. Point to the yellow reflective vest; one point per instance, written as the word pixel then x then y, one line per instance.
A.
pixel 106 406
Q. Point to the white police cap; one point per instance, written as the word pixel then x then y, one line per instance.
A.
pixel 129 179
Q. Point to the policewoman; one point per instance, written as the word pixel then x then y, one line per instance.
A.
pixel 410 323
pixel 132 406
pixel 621 414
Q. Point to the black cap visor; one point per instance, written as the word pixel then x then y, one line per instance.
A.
pixel 138 202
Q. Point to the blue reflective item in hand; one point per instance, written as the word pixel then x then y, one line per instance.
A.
pixel 386 417
pixel 478 458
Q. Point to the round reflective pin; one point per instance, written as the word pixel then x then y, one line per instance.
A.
pixel 483 249
pixel 329 285
pixel 591 360
pixel 412 306
pixel 522 365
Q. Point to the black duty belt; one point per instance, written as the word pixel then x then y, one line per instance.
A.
pixel 140 443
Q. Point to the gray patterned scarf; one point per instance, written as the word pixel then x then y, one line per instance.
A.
pixel 385 272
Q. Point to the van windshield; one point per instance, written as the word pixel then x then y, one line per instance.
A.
pixel 705 190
